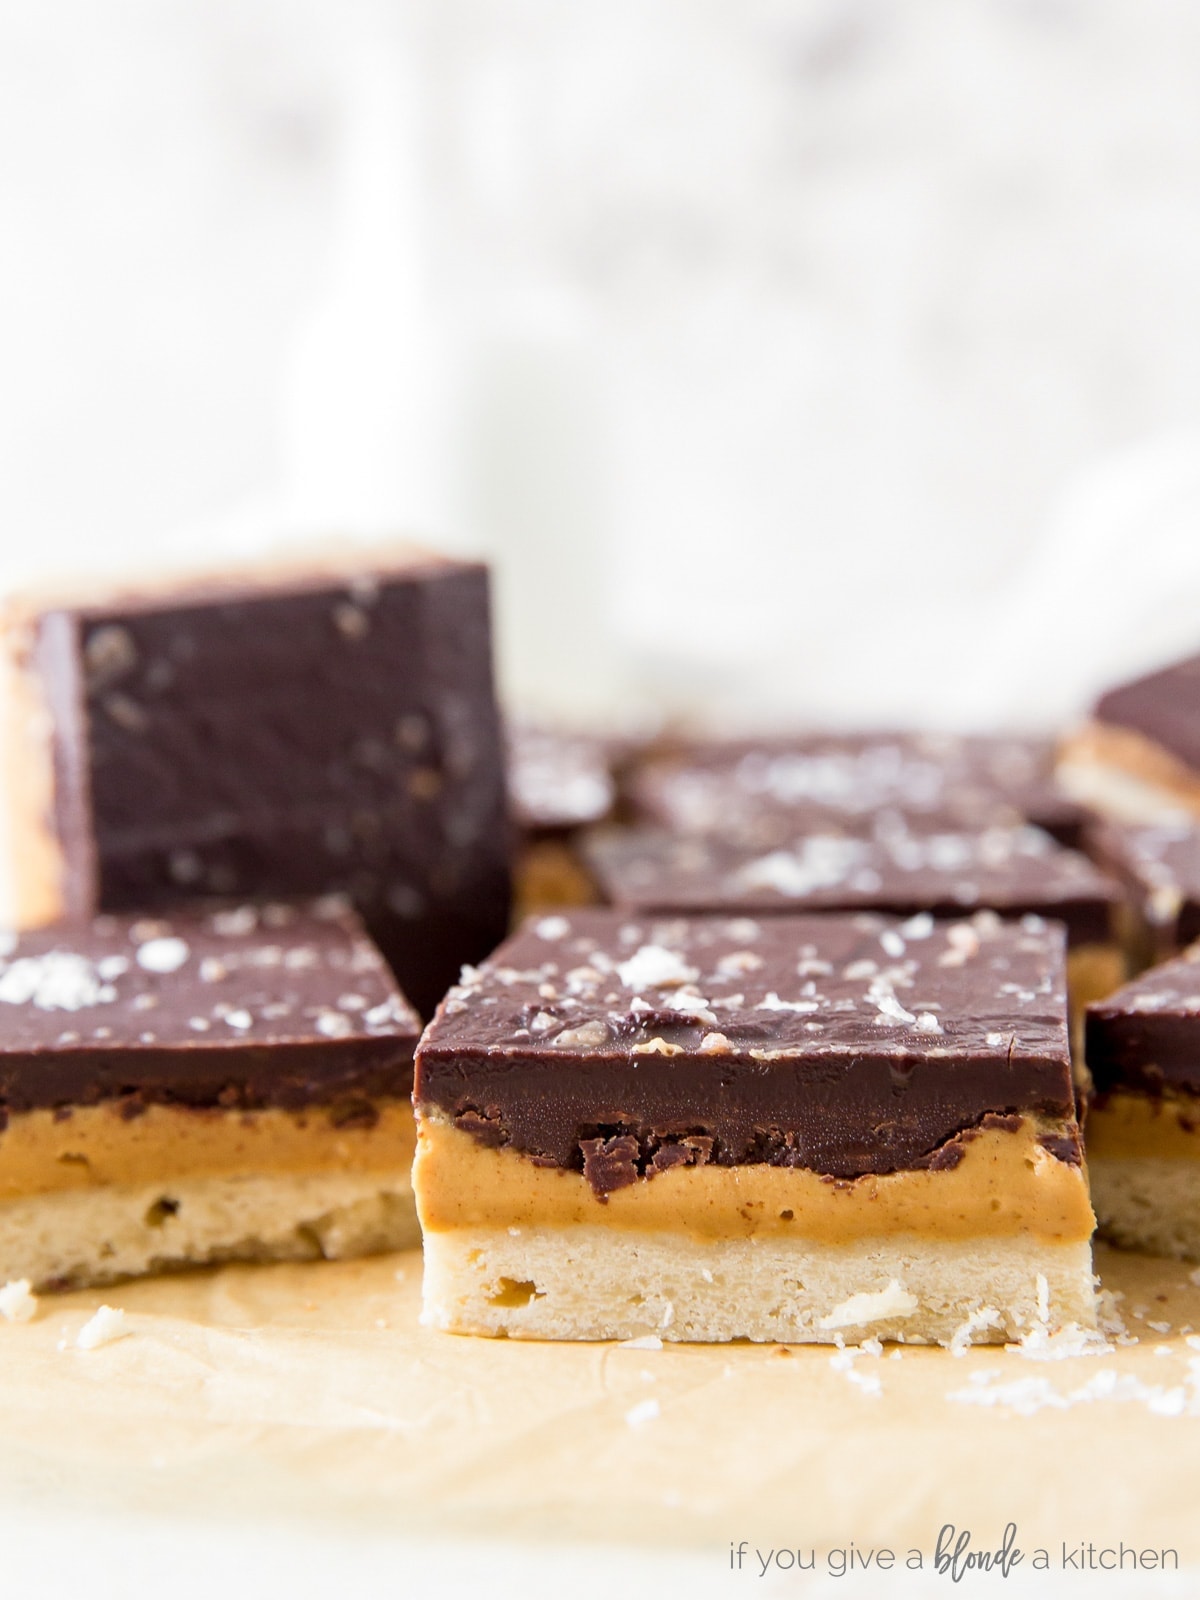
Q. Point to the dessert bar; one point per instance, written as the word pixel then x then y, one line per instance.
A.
pixel 1160 864
pixel 325 727
pixel 800 1128
pixel 224 1085
pixel 765 791
pixel 1014 871
pixel 557 784
pixel 1138 759
pixel 1143 1124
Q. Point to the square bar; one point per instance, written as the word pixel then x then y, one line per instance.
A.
pixel 1143 1124
pixel 558 783
pixel 325 726
pixel 799 1129
pixel 762 790
pixel 231 1085
pixel 1016 872
pixel 1138 759
pixel 1161 866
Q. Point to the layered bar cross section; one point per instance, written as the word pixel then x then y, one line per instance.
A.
pixel 798 1129
pixel 1143 1125
pixel 216 1086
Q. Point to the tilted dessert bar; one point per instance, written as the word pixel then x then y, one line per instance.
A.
pixel 230 1085
pixel 329 726
pixel 1143 1124
pixel 1013 871
pixel 1138 759
pixel 805 1129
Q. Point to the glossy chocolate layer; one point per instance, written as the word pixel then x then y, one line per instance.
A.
pixel 1146 1036
pixel 247 1007
pixel 1163 706
pixel 1014 871
pixel 250 740
pixel 764 791
pixel 558 781
pixel 620 1046
pixel 1161 864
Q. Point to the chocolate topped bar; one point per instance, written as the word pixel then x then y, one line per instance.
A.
pixel 841 782
pixel 1146 1036
pixel 1161 863
pixel 321 731
pixel 622 1046
pixel 1163 707
pixel 243 1007
pixel 557 781
pixel 1016 871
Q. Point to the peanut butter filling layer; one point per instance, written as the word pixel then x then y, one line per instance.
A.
pixel 1006 1185
pixel 41 1153
pixel 1093 972
pixel 1126 1126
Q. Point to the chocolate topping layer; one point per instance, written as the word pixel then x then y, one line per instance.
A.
pixel 1015 871
pixel 1163 706
pixel 245 1007
pixel 1162 866
pixel 257 740
pixel 1146 1036
pixel 619 1046
pixel 558 781
pixel 765 792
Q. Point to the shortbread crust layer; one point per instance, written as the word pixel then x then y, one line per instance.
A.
pixel 95 1195
pixel 1006 1185
pixel 1149 1203
pixel 1144 1160
pixel 76 1237
pixel 596 1282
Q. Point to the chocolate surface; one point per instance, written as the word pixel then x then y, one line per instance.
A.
pixel 1146 1036
pixel 1163 706
pixel 244 1007
pixel 1161 864
pixel 756 791
pixel 557 781
pixel 620 1045
pixel 1015 871
pixel 259 741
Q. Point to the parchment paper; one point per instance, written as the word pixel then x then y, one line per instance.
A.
pixel 312 1391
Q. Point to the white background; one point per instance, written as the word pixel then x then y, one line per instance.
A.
pixel 796 358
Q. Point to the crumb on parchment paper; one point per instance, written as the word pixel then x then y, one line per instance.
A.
pixel 104 1327
pixel 17 1301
